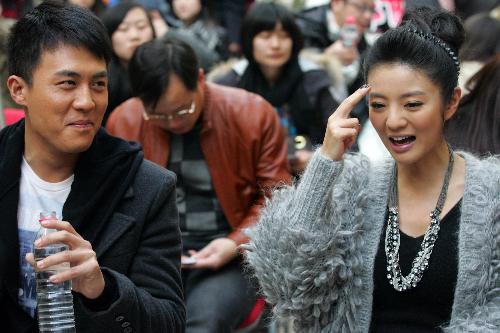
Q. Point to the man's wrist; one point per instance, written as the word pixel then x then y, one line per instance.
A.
pixel 108 296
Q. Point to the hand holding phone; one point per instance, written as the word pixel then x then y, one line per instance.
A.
pixel 188 260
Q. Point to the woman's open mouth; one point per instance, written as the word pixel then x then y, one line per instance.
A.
pixel 401 144
pixel 402 140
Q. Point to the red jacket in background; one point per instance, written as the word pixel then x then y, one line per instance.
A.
pixel 242 142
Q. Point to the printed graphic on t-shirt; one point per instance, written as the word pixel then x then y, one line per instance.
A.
pixel 27 290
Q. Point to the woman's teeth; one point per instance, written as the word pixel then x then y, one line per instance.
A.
pixel 400 140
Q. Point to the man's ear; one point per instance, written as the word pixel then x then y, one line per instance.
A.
pixel 452 106
pixel 18 89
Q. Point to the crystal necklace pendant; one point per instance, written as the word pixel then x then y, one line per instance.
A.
pixel 393 242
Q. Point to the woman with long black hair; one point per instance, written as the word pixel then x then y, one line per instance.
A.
pixel 298 89
pixel 129 26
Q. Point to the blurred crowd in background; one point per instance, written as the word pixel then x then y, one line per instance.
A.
pixel 304 57
pixel 297 57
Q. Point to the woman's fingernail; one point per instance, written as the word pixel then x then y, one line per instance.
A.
pixel 40 264
pixel 38 241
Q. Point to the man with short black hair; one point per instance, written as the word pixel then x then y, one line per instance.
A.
pixel 227 148
pixel 120 219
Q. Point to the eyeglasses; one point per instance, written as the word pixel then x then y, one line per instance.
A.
pixel 362 8
pixel 162 116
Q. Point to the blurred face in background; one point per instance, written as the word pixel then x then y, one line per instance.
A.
pixel 187 10
pixel 133 31
pixel 362 10
pixel 83 3
pixel 272 48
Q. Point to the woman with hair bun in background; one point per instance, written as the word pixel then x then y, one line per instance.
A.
pixel 407 244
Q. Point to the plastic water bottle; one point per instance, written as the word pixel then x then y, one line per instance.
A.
pixel 55 301
pixel 349 32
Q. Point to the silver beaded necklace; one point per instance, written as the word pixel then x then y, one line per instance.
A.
pixel 392 237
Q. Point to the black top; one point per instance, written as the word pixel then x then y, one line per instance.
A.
pixel 428 305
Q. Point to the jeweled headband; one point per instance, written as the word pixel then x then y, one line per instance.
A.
pixel 438 42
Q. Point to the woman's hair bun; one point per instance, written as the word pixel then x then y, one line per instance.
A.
pixel 439 22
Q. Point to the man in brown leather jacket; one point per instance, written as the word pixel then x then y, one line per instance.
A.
pixel 227 148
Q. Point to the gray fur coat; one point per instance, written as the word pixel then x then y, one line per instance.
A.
pixel 314 248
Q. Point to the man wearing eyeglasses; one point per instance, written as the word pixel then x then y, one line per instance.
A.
pixel 227 148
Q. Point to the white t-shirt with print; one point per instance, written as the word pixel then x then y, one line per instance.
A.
pixel 36 195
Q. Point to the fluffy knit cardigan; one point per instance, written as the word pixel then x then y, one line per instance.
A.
pixel 314 247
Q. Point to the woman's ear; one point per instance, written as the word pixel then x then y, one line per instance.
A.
pixel 18 89
pixel 452 106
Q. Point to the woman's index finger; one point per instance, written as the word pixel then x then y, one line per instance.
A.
pixel 351 101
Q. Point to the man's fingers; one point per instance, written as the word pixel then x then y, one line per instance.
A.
pixel 84 269
pixel 62 237
pixel 350 102
pixel 206 263
pixel 30 258
pixel 72 257
pixel 60 225
pixel 201 263
pixel 203 253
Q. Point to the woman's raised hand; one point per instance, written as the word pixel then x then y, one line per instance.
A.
pixel 341 131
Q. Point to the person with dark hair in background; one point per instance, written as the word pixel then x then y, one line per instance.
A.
pixel 128 25
pixel 229 14
pixel 195 20
pixel 227 148
pixel 120 218
pixel 481 44
pixel 95 6
pixel 476 125
pixel 5 99
pixel 467 8
pixel 407 244
pixel 298 89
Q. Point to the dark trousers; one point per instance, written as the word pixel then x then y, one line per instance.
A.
pixel 217 301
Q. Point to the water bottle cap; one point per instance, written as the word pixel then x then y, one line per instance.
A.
pixel 350 20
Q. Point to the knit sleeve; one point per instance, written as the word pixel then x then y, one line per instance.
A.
pixel 479 294
pixel 302 248
pixel 484 317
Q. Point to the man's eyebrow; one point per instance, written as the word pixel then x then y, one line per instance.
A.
pixel 69 73
pixel 74 74
pixel 99 75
